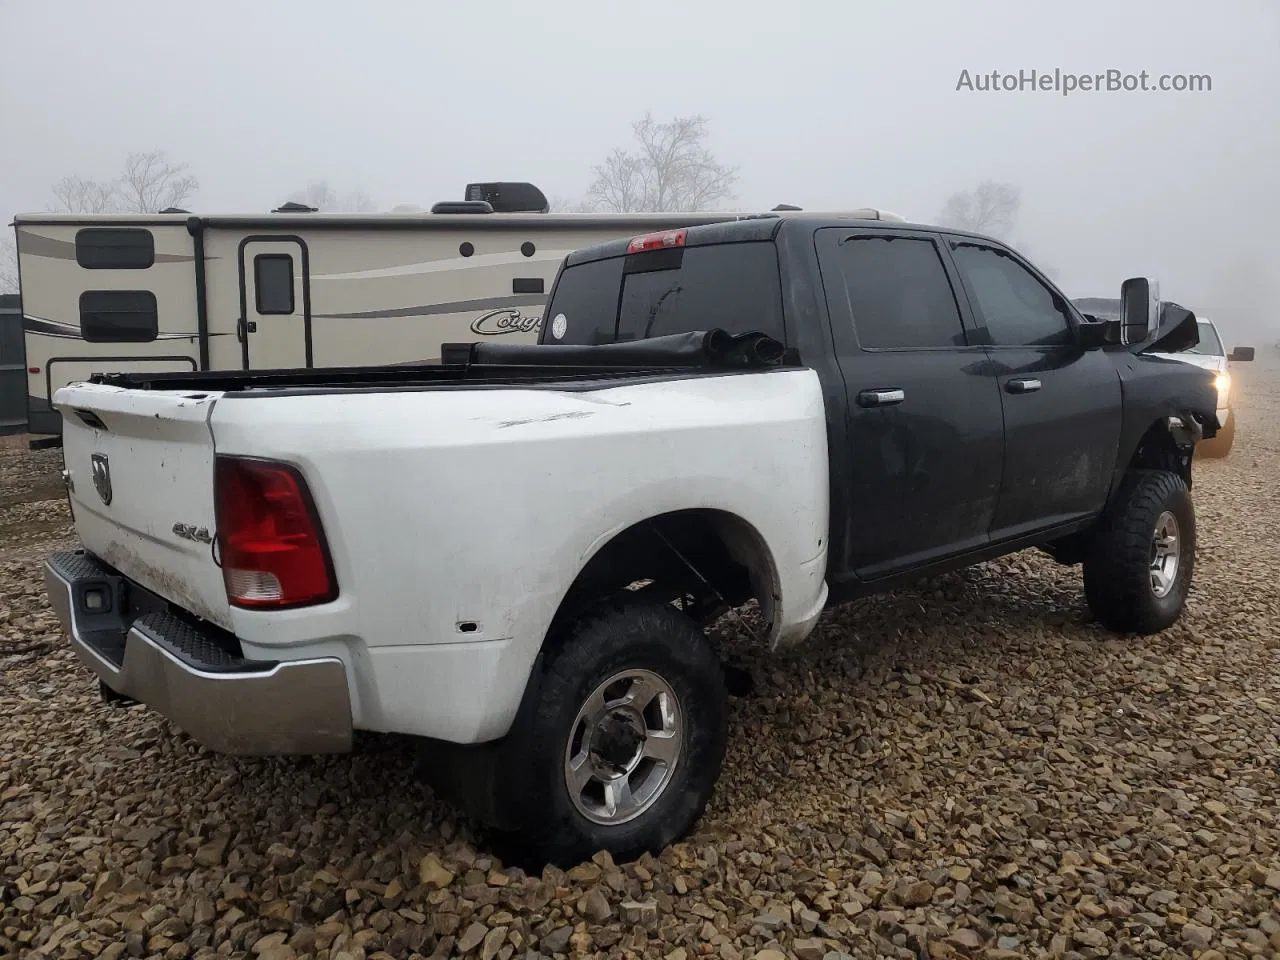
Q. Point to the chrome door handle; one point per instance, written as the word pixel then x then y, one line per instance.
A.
pixel 881 398
pixel 1022 385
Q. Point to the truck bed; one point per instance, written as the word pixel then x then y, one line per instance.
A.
pixel 479 366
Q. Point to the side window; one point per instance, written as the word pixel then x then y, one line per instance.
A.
pixel 273 283
pixel 118 316
pixel 1017 308
pixel 899 294
pixel 115 248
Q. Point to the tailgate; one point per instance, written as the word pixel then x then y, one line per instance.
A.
pixel 140 466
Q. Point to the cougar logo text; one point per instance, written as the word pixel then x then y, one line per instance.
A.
pixel 504 321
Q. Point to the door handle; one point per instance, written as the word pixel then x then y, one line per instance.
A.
pixel 1022 385
pixel 881 398
pixel 244 326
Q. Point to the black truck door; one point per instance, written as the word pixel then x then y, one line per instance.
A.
pixel 1062 403
pixel 924 427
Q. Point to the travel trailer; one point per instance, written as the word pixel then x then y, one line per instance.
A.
pixel 294 288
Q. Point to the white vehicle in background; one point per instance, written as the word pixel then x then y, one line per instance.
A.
pixel 1209 354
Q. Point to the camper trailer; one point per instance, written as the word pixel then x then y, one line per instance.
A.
pixel 293 288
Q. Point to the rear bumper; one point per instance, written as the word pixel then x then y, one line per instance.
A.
pixel 194 674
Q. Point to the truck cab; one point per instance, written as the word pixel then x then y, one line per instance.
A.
pixel 971 408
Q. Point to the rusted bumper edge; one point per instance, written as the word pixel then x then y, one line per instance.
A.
pixel 192 674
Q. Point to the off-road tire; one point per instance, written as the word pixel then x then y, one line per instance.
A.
pixel 1220 445
pixel 1117 567
pixel 649 636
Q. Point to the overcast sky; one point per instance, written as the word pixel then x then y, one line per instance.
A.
pixel 823 104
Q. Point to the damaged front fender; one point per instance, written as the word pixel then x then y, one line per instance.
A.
pixel 1187 431
pixel 1176 330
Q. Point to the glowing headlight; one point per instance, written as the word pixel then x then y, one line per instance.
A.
pixel 1223 382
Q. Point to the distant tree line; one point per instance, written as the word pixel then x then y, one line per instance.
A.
pixel 668 166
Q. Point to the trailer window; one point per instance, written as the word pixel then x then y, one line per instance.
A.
pixel 273 283
pixel 115 248
pixel 118 316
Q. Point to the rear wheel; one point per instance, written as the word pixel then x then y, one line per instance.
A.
pixel 1137 572
pixel 1220 445
pixel 626 739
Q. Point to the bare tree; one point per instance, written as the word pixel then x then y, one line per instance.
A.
pixel 79 195
pixel 323 197
pixel 1024 248
pixel 669 169
pixel 990 208
pixel 152 182
pixel 559 204
pixel 8 266
pixel 357 201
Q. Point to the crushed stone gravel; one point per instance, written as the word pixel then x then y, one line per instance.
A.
pixel 968 768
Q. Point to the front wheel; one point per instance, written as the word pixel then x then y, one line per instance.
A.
pixel 626 740
pixel 1137 572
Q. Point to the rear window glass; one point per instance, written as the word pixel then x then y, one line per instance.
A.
pixel 587 293
pixel 732 286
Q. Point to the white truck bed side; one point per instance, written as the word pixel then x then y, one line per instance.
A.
pixel 475 507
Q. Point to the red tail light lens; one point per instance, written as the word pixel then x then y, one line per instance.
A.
pixel 657 241
pixel 272 548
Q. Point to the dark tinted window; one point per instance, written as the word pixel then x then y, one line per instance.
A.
pixel 586 296
pixel 115 248
pixel 899 294
pixel 1017 308
pixel 273 283
pixel 733 286
pixel 118 316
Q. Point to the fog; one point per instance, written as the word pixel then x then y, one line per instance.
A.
pixel 821 104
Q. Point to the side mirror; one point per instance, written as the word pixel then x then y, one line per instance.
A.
pixel 1139 309
pixel 1241 354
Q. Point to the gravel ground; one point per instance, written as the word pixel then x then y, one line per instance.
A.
pixel 995 778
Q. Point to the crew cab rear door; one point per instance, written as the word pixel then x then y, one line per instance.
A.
pixel 924 426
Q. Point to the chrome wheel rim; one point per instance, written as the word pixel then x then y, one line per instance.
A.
pixel 1164 555
pixel 624 747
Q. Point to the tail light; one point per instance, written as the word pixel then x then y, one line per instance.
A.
pixel 657 241
pixel 272 547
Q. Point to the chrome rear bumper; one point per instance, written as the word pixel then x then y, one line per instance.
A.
pixel 194 674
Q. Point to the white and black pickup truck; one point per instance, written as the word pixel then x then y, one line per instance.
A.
pixel 512 555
